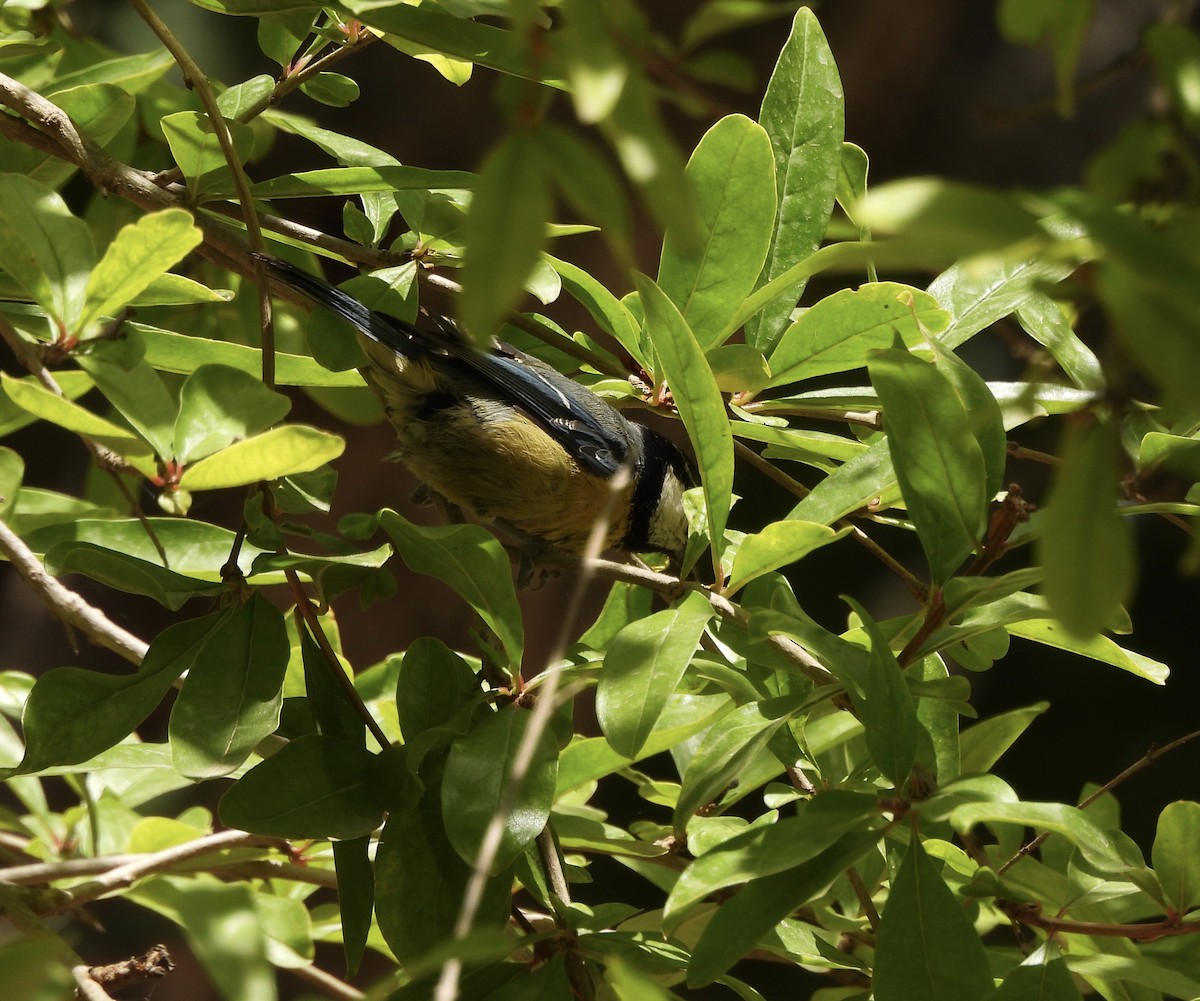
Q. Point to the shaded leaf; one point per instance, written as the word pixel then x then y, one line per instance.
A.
pixel 233 692
pixel 312 787
pixel 476 786
pixel 642 665
pixel 803 113
pixel 927 947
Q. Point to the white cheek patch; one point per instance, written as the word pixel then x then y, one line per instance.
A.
pixel 668 524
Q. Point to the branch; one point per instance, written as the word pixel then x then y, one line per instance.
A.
pixel 146 865
pixel 1031 914
pixel 152 964
pixel 670 588
pixel 86 988
pixel 68 605
pixel 327 983
pixel 1145 761
pixel 539 720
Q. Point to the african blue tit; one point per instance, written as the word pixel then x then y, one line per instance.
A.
pixel 505 437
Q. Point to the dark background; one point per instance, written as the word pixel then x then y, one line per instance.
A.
pixel 931 88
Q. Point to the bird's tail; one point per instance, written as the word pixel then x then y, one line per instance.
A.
pixel 392 333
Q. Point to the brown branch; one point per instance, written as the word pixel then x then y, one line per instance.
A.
pixel 152 964
pixel 671 587
pixel 66 604
pixel 85 987
pixel 326 983
pixel 107 460
pixel 1031 914
pixel 306 611
pixel 1145 761
pixel 154 862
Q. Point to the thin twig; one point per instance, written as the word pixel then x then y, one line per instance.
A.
pixel 670 588
pixel 539 720
pixel 85 987
pixel 66 604
pixel 153 862
pixel 864 898
pixel 305 610
pixel 552 863
pixel 326 983
pixel 104 458
pixel 1145 761
pixel 1031 914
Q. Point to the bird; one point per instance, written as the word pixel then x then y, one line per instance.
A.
pixel 508 439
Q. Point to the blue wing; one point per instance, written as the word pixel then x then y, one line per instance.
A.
pixel 591 431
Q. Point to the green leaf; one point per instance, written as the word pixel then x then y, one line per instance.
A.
pixel 505 230
pixel 1084 547
pixel 420 882
pixel 726 750
pixel 193 548
pixel 938 221
pixel 356 897
pixel 312 787
pixel 477 783
pixel 1050 981
pixel 1103 850
pixel 72 714
pixel 197 151
pixel 766 850
pixel 47 250
pixel 175 290
pixel 605 308
pixel 333 89
pixel 333 714
pixel 360 180
pixel 836 333
pixel 12 471
pixel 642 665
pixel 983 744
pixel 1051 633
pixel 588 183
pixel 134 388
pixel 732 176
pixel 431 30
pixel 985 419
pixel 699 401
pixel 170 352
pixel 927 947
pixel 780 544
pixel 128 573
pixel 852 485
pixel 140 253
pixel 1172 451
pixel 219 406
pixel 471 561
pixel 745 919
pixel 31 397
pixel 938 461
pixel 1176 854
pixel 223 928
pixel 1043 319
pixel 886 707
pixel 1175 51
pixel 282 451
pixel 978 293
pixel 803 114
pixel 434 684
pixel 231 697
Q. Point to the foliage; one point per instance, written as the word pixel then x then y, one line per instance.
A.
pixel 825 808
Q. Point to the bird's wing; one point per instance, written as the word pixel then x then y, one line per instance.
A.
pixel 591 431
